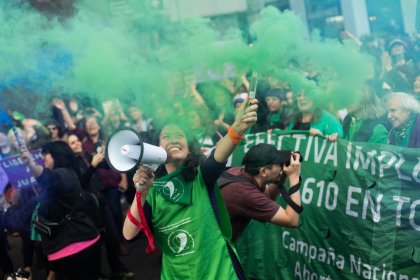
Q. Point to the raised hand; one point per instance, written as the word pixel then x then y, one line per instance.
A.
pixel 246 116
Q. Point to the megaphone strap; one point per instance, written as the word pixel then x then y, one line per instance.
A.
pixel 142 225
pixel 134 220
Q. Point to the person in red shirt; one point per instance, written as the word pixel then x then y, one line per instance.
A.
pixel 249 191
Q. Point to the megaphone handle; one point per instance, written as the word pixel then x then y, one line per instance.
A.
pixel 152 166
pixel 139 187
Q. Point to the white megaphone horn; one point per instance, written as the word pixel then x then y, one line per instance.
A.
pixel 125 150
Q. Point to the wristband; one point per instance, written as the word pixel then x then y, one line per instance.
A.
pixel 235 137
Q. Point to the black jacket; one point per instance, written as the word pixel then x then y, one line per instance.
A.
pixel 62 195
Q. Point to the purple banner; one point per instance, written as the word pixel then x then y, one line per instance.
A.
pixel 3 180
pixel 17 172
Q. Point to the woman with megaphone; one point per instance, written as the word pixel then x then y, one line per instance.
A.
pixel 180 204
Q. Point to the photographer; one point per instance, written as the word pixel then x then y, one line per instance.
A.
pixel 249 192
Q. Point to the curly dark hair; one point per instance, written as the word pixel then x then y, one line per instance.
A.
pixel 193 160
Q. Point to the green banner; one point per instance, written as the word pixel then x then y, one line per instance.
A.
pixel 361 217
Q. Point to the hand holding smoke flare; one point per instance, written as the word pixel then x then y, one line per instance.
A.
pixel 253 86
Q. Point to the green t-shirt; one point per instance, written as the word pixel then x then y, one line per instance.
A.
pixel 328 124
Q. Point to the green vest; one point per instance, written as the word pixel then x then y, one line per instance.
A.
pixel 186 229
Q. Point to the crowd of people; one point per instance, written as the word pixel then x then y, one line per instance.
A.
pixel 76 183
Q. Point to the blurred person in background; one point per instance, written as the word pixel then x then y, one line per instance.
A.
pixel 71 114
pixel 36 134
pixel 416 86
pixel 277 117
pixel 290 105
pixel 315 119
pixel 6 264
pixel 217 100
pixel 404 114
pixel 364 121
pixel 5 146
pixel 138 122
pixel 55 130
pixel 102 218
pixel 203 130
pixel 75 110
pixel 399 68
pixel 25 199
pixel 114 118
pixel 109 182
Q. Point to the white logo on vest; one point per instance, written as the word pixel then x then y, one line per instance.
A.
pixel 174 189
pixel 181 242
pixel 171 188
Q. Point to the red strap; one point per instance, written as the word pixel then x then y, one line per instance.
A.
pixel 134 220
pixel 142 225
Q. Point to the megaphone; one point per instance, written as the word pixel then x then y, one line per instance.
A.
pixel 125 149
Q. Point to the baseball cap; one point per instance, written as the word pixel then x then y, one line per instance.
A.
pixel 264 154
pixel 397 42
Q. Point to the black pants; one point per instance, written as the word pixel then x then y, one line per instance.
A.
pixel 5 261
pixel 85 265
pixel 110 238
pixel 27 249
pixel 112 197
pixel 6 264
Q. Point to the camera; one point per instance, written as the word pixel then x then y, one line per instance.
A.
pixel 294 157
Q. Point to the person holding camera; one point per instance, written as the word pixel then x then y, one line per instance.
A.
pixel 249 191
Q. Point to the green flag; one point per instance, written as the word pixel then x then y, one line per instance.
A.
pixel 361 217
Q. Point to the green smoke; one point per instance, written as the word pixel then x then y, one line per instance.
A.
pixel 137 53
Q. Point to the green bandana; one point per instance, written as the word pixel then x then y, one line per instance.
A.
pixel 174 188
